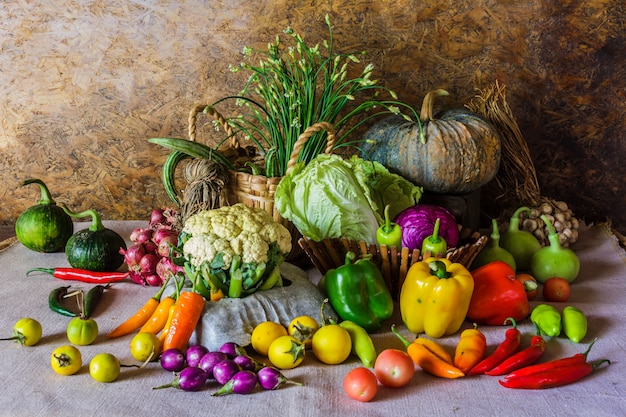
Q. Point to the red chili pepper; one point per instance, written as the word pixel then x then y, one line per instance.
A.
pixel 522 358
pixel 83 275
pixel 556 377
pixel 547 366
pixel 505 349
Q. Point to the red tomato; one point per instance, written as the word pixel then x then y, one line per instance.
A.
pixel 360 384
pixel 530 285
pixel 394 368
pixel 556 289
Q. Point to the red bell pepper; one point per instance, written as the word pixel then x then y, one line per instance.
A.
pixel 497 295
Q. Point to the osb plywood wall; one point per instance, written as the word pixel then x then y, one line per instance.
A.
pixel 84 83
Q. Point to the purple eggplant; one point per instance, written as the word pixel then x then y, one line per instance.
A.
pixel 173 360
pixel 209 360
pixel 243 382
pixel 223 371
pixel 271 378
pixel 194 353
pixel 189 379
pixel 232 349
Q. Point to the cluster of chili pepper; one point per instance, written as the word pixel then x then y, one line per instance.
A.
pixel 173 318
pixel 553 373
pixel 89 303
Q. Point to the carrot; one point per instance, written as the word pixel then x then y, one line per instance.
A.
pixel 185 316
pixel 142 315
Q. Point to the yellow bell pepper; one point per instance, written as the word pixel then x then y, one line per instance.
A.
pixel 435 297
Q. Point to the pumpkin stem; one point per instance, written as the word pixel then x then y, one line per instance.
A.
pixel 46 198
pixel 426 113
pixel 96 221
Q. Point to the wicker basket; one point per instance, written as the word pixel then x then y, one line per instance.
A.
pixel 393 263
pixel 258 190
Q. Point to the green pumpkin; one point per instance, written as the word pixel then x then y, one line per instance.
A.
pixel 456 151
pixel 95 248
pixel 44 227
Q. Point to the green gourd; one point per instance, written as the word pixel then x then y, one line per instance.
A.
pixel 95 248
pixel 554 260
pixel 492 251
pixel 519 243
pixel 44 227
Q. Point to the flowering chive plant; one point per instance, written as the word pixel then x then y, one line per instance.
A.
pixel 293 87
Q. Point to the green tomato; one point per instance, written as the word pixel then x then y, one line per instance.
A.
pixel 26 331
pixel 66 360
pixel 145 346
pixel 104 367
pixel 82 331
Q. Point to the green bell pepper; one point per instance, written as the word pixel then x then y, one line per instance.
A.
pixel 547 319
pixel 357 292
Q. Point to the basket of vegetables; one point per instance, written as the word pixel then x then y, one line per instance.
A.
pixel 346 204
pixel 298 102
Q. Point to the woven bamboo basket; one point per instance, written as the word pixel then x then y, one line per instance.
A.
pixel 258 190
pixel 393 263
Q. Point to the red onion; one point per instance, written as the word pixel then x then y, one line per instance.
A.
pixel 156 218
pixel 141 235
pixel 137 278
pixel 153 280
pixel 148 263
pixel 166 267
pixel 133 256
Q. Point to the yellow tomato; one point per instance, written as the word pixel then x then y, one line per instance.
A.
pixel 286 352
pixel 145 346
pixel 303 328
pixel 66 360
pixel 104 367
pixel 264 334
pixel 331 344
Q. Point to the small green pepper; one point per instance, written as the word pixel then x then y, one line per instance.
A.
pixel 434 243
pixel 92 299
pixel 389 233
pixel 54 302
pixel 357 292
pixel 547 319
pixel 574 324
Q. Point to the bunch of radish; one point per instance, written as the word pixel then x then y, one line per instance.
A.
pixel 149 259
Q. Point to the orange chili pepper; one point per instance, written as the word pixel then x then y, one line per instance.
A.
pixel 185 316
pixel 470 350
pixel 157 321
pixel 427 360
pixel 435 348
pixel 140 317
pixel 168 323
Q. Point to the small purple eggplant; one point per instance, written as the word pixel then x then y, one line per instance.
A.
pixel 232 349
pixel 194 353
pixel 223 371
pixel 209 360
pixel 189 379
pixel 172 360
pixel 271 378
pixel 243 382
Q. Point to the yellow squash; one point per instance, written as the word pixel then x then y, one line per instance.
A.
pixel 435 297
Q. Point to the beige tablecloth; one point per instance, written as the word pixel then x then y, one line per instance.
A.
pixel 31 388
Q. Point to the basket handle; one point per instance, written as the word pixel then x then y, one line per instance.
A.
pixel 210 110
pixel 305 136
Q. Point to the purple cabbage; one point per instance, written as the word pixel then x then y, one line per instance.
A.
pixel 418 222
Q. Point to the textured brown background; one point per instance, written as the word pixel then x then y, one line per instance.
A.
pixel 83 84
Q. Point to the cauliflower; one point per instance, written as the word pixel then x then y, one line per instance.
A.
pixel 236 241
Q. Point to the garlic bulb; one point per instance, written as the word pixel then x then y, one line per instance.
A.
pixel 561 217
